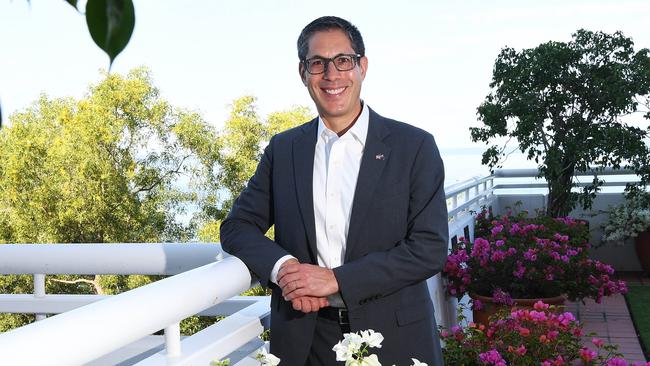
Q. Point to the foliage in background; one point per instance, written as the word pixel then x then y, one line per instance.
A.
pixel 568 105
pixel 241 142
pixel 101 169
pixel 104 168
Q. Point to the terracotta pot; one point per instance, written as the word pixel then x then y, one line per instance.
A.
pixel 642 245
pixel 490 308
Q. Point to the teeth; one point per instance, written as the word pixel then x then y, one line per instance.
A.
pixel 334 91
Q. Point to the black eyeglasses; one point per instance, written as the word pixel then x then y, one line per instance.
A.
pixel 343 62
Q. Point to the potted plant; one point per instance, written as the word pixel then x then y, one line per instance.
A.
pixel 517 260
pixel 538 336
pixel 631 219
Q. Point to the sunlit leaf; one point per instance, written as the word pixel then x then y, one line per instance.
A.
pixel 111 24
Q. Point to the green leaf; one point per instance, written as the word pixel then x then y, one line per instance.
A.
pixel 110 23
pixel 73 3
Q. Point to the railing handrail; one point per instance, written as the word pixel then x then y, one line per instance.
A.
pixel 534 172
pixel 115 258
pixel 107 325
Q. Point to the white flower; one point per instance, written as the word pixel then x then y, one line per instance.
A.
pixel 626 220
pixel 371 360
pixel 266 359
pixel 372 338
pixel 349 346
pixel 343 352
pixel 418 363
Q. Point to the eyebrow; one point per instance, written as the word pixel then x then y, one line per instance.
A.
pixel 328 58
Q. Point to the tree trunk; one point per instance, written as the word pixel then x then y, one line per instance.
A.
pixel 560 200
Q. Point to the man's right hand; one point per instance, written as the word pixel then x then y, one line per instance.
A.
pixel 306 304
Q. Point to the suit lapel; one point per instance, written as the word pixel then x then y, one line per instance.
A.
pixel 374 158
pixel 303 169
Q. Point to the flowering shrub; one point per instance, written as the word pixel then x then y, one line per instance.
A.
pixel 628 219
pixel 527 337
pixel 516 257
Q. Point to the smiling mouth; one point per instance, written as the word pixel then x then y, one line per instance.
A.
pixel 334 91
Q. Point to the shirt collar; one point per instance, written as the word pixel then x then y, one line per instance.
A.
pixel 359 130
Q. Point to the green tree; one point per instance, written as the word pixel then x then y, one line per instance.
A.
pixel 102 169
pixel 241 143
pixel 119 165
pixel 568 105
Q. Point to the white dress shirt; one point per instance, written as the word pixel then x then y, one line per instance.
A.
pixel 336 169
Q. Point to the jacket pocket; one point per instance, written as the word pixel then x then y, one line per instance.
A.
pixel 410 314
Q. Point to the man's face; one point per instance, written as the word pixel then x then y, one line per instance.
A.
pixel 335 93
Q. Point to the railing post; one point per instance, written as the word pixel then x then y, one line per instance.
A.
pixel 173 340
pixel 39 291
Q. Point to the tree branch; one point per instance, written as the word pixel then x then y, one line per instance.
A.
pixel 95 283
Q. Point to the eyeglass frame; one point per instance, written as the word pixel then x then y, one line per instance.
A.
pixel 355 56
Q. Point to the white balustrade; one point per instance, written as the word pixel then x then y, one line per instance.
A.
pixel 91 331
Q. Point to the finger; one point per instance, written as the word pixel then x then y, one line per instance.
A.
pixel 290 287
pixel 289 268
pixel 315 304
pixel 296 294
pixel 297 304
pixel 282 282
pixel 323 302
pixel 306 305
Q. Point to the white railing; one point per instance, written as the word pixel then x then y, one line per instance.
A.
pixel 508 174
pixel 102 327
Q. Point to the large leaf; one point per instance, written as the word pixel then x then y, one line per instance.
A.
pixel 73 3
pixel 110 23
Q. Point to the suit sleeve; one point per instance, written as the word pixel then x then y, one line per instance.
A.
pixel 418 256
pixel 242 232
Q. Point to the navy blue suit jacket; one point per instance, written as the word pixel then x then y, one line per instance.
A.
pixel 397 237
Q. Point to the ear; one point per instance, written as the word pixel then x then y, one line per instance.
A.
pixel 302 72
pixel 363 64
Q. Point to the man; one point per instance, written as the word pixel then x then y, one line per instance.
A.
pixel 360 218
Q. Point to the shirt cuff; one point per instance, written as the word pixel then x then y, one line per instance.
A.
pixel 276 267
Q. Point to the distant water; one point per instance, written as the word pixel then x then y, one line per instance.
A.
pixel 464 163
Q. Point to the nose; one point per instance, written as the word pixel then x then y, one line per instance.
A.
pixel 330 70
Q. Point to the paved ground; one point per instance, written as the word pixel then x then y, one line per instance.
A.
pixel 610 320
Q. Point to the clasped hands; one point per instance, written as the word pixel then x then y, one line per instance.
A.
pixel 306 285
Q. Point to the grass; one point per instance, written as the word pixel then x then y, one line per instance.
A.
pixel 638 298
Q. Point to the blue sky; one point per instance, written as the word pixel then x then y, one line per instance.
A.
pixel 430 62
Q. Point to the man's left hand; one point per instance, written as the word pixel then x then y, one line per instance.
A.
pixel 298 280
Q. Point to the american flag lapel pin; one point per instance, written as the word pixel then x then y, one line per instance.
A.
pixel 379 157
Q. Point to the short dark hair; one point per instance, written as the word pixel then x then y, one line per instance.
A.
pixel 329 23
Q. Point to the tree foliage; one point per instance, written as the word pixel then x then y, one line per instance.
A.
pixel 569 107
pixel 103 168
pixel 110 167
pixel 241 144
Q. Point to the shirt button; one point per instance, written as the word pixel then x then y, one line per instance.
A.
pixel 332 227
